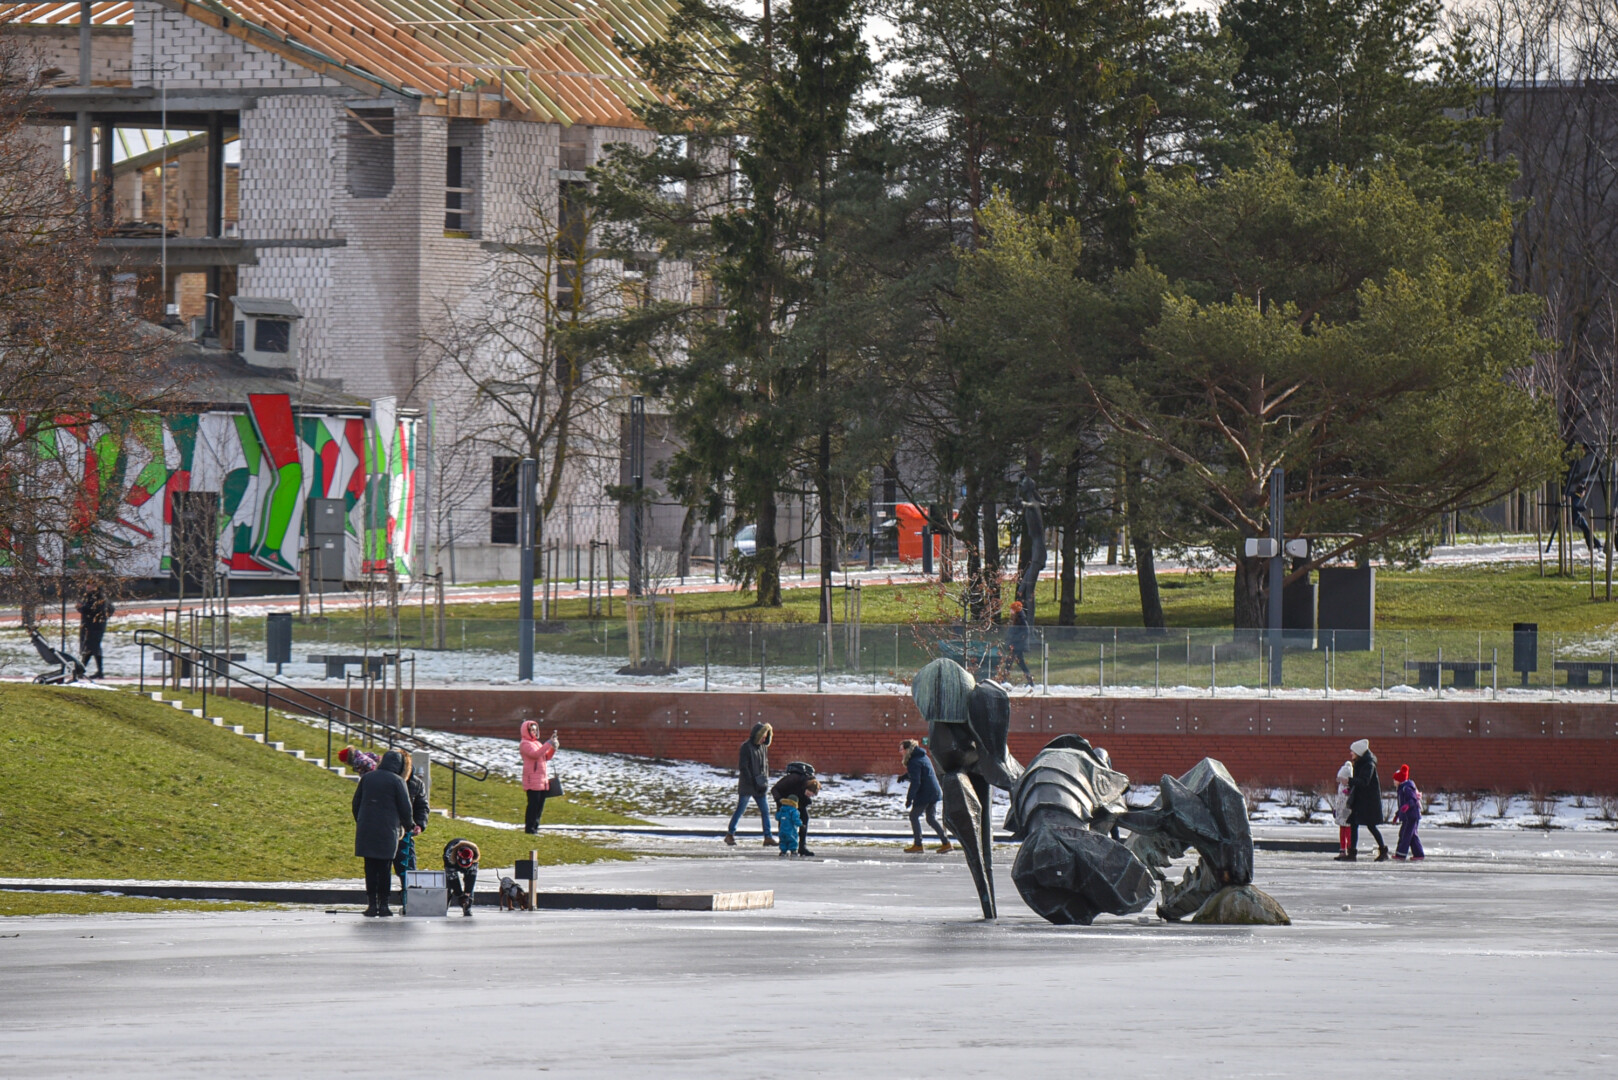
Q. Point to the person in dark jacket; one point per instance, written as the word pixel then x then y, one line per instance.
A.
pixel 1408 816
pixel 382 816
pixel 753 780
pixel 923 795
pixel 94 611
pixel 798 782
pixel 1017 639
pixel 405 858
pixel 1364 802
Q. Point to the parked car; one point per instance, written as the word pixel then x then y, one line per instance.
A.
pixel 746 542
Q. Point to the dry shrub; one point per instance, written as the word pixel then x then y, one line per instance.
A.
pixel 1502 801
pixel 1607 806
pixel 1306 801
pixel 1254 796
pixel 1466 805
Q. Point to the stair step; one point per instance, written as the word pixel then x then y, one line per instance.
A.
pixel 319 762
pixel 177 703
pixel 157 695
pixel 238 729
pixel 276 746
pixel 257 737
pixel 217 721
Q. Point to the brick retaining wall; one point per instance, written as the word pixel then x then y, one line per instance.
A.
pixel 1448 744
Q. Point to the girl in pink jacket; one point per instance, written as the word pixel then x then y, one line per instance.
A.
pixel 536 779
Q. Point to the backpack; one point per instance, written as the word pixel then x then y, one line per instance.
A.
pixel 802 768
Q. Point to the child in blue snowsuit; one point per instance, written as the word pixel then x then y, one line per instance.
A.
pixel 788 820
pixel 1408 816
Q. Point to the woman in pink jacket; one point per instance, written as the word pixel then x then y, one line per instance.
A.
pixel 536 776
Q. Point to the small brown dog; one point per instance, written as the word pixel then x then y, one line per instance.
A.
pixel 513 897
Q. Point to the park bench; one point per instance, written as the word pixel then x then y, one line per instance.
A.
pixel 337 664
pixel 1579 671
pixel 1465 672
pixel 210 661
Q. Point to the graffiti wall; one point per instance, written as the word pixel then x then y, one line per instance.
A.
pixel 259 468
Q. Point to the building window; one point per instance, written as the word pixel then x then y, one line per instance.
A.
pixel 272 335
pixel 456 212
pixel 573 225
pixel 503 501
pixel 370 153
pixel 463 162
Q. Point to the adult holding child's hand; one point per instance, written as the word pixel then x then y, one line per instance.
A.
pixel 536 777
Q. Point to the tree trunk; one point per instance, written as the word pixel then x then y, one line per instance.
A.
pixel 1252 593
pixel 1151 602
pixel 688 528
pixel 768 557
pixel 1071 547
pixel 991 557
pixel 830 527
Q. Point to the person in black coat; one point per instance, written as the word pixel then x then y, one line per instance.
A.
pixel 382 816
pixel 94 611
pixel 404 859
pixel 753 780
pixel 1364 802
pixel 923 795
pixel 798 781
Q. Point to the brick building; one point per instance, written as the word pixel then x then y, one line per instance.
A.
pixel 375 166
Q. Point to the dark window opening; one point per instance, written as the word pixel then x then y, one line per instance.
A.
pixel 572 223
pixel 457 212
pixel 272 335
pixel 370 153
pixel 503 501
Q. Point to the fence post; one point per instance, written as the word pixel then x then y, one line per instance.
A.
pixel 266 709
pixel 454 774
pixel 143 668
pixel 328 736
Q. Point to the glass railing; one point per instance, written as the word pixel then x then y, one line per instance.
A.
pixel 881 658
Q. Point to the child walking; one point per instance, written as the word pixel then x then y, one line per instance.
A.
pixel 787 821
pixel 1339 806
pixel 1408 817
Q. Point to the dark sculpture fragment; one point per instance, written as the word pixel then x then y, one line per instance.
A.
pixel 967 727
pixel 1067 809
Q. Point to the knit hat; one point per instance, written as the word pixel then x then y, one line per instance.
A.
pixel 1401 774
pixel 343 754
pixel 1346 771
pixel 1359 746
pixel 790 800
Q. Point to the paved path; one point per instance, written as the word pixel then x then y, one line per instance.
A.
pixel 1494 959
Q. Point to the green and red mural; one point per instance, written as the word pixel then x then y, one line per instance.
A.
pixel 264 464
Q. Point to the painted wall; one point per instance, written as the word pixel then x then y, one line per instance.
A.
pixel 264 463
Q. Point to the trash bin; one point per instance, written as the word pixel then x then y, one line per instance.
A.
pixel 278 639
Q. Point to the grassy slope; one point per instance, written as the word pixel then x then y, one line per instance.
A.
pixel 107 784
pixel 54 903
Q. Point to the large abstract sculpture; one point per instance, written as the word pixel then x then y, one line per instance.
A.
pixel 1068 809
pixel 967 725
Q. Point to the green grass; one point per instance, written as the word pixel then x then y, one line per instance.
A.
pixel 57 903
pixel 109 784
pixel 494 799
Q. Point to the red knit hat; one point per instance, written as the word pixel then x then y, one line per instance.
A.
pixel 342 755
pixel 1401 774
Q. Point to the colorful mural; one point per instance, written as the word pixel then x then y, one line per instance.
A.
pixel 263 464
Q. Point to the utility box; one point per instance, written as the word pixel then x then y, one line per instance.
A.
pixel 1347 605
pixel 1524 649
pixel 326 526
pixel 278 639
pixel 426 894
pixel 523 870
pixel 1298 614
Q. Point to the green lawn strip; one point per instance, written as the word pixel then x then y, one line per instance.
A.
pixel 494 799
pixel 106 784
pixel 58 903
pixel 1477 597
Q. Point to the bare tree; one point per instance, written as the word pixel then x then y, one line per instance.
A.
pixel 80 380
pixel 531 363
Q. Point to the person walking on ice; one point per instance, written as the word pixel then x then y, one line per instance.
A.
pixel 923 795
pixel 753 780
pixel 1364 802
pixel 1408 816
pixel 787 824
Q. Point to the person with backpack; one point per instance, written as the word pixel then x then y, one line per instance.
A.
pixel 923 795
pixel 753 780
pixel 799 783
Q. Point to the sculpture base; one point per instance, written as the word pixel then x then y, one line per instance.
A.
pixel 1242 905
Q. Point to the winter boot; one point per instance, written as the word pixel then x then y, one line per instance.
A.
pixel 370 905
pixel 805 853
pixel 769 841
pixel 914 849
pixel 945 848
pixel 1347 856
pixel 1381 854
pixel 730 839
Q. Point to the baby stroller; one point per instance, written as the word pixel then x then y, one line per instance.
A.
pixel 461 872
pixel 68 667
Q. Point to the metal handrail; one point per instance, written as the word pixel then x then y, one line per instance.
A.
pixel 220 665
